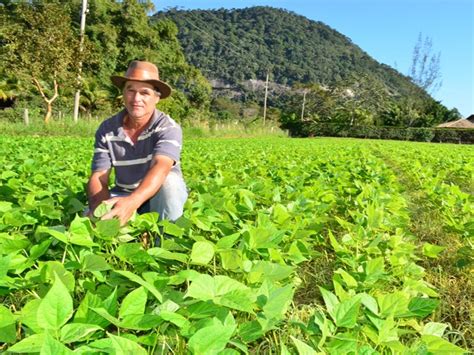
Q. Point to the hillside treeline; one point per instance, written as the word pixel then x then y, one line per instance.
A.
pixel 315 73
pixel 41 56
pixel 343 84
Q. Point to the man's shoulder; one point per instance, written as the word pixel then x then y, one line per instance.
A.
pixel 164 120
pixel 111 124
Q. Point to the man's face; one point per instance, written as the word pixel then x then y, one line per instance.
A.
pixel 140 99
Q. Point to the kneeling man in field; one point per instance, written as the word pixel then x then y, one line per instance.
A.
pixel 143 146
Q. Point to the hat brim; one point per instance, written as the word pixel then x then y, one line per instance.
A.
pixel 163 88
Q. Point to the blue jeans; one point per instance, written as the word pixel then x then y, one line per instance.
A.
pixel 168 201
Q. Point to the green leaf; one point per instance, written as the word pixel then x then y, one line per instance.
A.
pixel 437 345
pixel 278 301
pixel 134 302
pixel 94 262
pixel 346 312
pixel 28 315
pixel 74 332
pixel 7 326
pixel 422 307
pixel 202 253
pixel 108 229
pixel 137 279
pixel 330 300
pixel 56 307
pixel 433 328
pixel 302 347
pixel 348 279
pixel 58 232
pixel 395 304
pixel 102 209
pixel 31 344
pixel 125 346
pixel 369 302
pixel 211 340
pixel 431 250
pixel 52 346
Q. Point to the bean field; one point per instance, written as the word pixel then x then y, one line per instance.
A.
pixel 287 246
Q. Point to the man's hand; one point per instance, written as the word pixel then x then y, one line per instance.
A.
pixel 123 208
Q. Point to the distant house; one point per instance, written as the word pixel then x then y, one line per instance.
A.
pixel 462 123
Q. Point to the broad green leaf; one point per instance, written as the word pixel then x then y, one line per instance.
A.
pixel 422 307
pixel 175 318
pixel 107 229
pixel 431 250
pixel 137 279
pixel 348 279
pixel 278 301
pixel 167 255
pixel 330 300
pixel 56 307
pixel 250 331
pixel 28 315
pixel 7 326
pixel 124 346
pixel 433 328
pixel 94 262
pixel 242 300
pixel 74 332
pixel 206 287
pixel 57 232
pixel 202 253
pixel 228 241
pixel 302 347
pixel 231 259
pixel 102 209
pixel 437 345
pixel 346 312
pixel 262 270
pixel 31 344
pixel 395 304
pixel 171 228
pixel 210 340
pixel 140 321
pixel 369 302
pixel 134 302
pixel 52 346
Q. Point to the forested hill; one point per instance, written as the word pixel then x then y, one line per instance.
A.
pixel 241 44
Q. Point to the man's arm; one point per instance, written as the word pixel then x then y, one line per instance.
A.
pixel 98 189
pixel 151 183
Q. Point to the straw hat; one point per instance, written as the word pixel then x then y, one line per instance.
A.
pixel 143 71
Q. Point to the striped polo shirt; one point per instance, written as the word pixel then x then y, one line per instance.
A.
pixel 114 149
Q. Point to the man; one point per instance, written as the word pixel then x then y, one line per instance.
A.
pixel 143 146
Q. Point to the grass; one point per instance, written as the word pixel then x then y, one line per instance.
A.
pixel 454 284
pixel 191 129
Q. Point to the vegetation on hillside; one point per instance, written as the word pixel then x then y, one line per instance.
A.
pixel 316 74
pixel 39 44
pixel 343 84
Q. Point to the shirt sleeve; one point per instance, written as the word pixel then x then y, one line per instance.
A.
pixel 169 141
pixel 102 159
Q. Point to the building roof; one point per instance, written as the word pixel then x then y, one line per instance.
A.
pixel 462 123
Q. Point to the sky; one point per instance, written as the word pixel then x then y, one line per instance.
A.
pixel 388 30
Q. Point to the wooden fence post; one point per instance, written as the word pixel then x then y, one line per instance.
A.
pixel 26 118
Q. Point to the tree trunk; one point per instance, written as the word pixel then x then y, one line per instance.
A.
pixel 49 111
pixel 49 102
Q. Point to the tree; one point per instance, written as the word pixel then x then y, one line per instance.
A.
pixel 425 67
pixel 42 48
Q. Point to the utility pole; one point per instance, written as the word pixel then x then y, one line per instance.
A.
pixel 265 100
pixel 81 45
pixel 302 108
